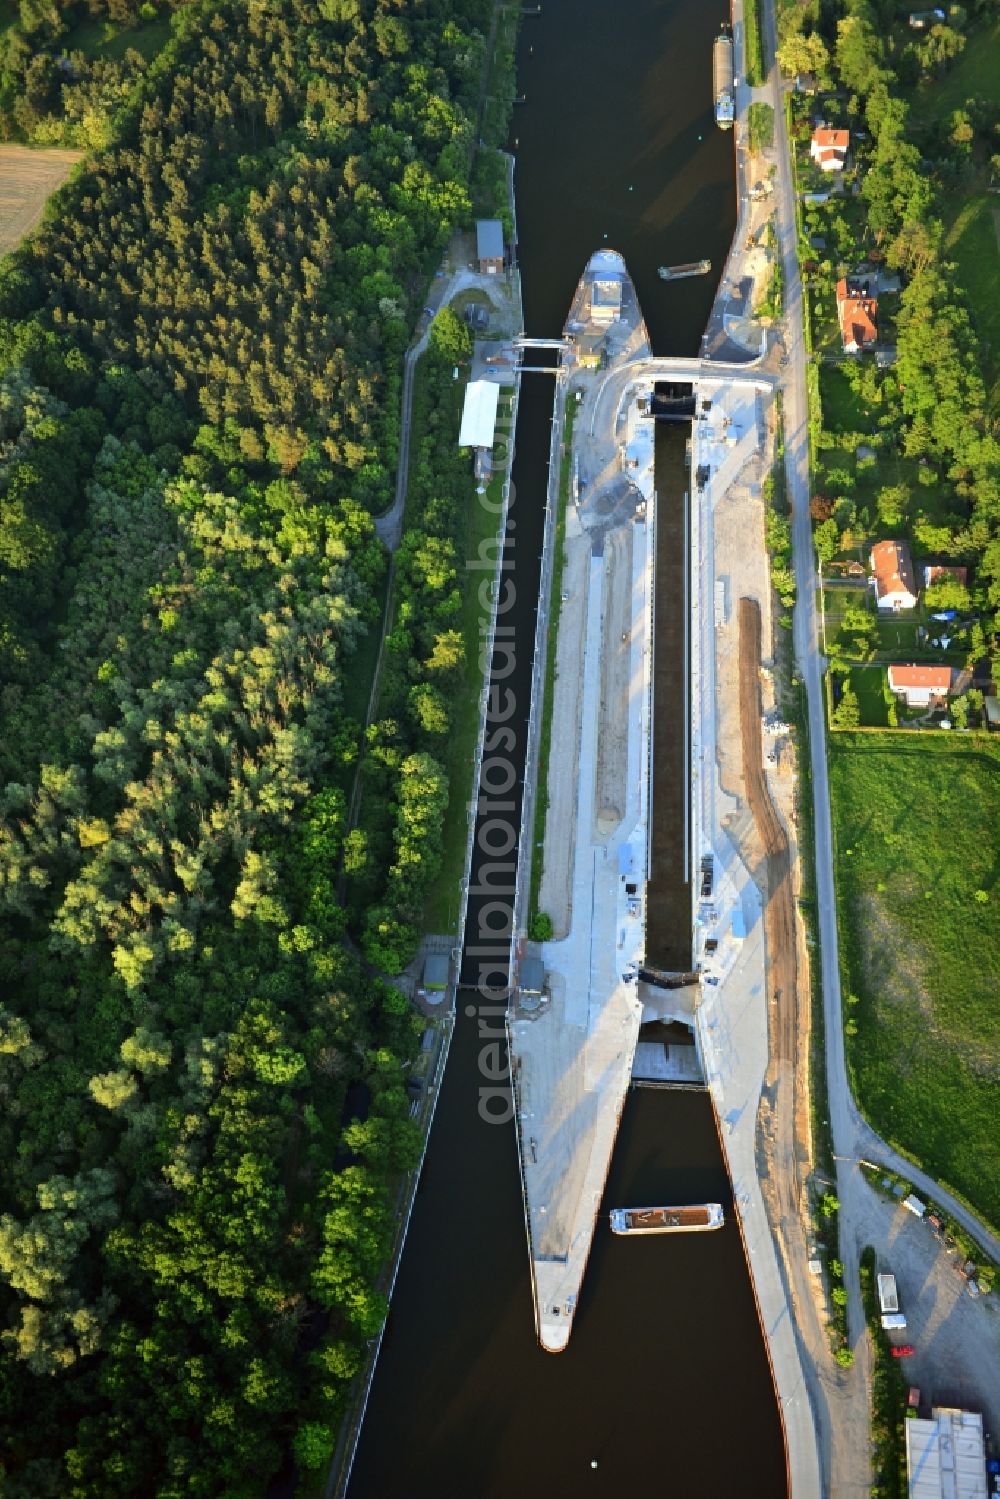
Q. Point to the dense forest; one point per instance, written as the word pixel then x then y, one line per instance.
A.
pixel 200 356
pixel 933 422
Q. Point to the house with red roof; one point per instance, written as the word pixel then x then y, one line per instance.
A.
pixel 828 148
pixel 892 576
pixel 857 312
pixel 921 686
pixel 937 574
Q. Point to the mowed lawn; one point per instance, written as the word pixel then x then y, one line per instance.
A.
pixel 972 240
pixel 976 75
pixel 917 833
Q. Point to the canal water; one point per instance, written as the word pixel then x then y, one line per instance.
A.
pixel 665 1383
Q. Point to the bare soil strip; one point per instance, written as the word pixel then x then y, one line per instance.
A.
pixel 27 180
pixel 780 908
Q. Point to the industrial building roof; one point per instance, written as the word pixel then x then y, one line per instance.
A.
pixel 489 239
pixel 479 415
pixel 945 1456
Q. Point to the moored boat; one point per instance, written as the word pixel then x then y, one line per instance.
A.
pixel 722 79
pixel 689 268
pixel 667 1220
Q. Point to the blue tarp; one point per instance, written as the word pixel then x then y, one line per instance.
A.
pixel 946 614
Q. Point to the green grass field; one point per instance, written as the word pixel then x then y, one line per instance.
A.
pixel 97 38
pixel 843 408
pixel 917 836
pixel 972 240
pixel 869 684
pixel 976 75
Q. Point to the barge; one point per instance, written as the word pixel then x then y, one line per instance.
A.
pixel 722 79
pixel 689 268
pixel 690 1220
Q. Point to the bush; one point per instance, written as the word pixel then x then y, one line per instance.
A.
pixel 760 120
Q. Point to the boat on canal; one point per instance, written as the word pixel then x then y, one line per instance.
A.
pixel 722 79
pixel 689 268
pixel 672 1220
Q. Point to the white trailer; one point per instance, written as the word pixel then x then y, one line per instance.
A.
pixel 888 1296
pixel 888 1300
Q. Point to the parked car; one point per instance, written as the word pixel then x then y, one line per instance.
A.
pixel 903 1351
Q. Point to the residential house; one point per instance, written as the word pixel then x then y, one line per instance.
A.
pixel 921 686
pixel 892 576
pixel 489 246
pixel 828 148
pixel 937 573
pixel 857 311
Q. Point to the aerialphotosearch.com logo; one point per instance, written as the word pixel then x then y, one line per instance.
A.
pixel 494 860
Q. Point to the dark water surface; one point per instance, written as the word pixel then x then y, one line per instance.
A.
pixel 665 1382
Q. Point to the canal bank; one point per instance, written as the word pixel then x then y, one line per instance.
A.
pixel 462 1401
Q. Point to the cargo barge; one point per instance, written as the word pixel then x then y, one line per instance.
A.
pixel 722 79
pixel 690 1220
pixel 689 268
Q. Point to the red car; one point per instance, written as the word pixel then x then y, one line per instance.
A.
pixel 903 1351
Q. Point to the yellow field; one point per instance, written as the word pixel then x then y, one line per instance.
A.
pixel 27 178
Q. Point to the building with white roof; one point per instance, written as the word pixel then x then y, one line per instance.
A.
pixel 479 414
pixel 946 1455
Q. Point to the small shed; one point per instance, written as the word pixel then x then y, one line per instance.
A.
pixel 489 246
pixel 532 976
pixel 436 969
pixel 914 1205
pixel 991 712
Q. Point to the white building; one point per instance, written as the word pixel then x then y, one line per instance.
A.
pixel 479 420
pixel 946 1456
pixel 828 148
